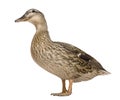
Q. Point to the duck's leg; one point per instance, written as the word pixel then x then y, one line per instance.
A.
pixel 64 92
pixel 70 86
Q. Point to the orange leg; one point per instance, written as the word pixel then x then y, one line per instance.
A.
pixel 65 92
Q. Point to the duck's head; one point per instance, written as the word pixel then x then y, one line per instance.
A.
pixel 33 16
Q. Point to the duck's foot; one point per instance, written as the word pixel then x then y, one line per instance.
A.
pixel 61 94
pixel 64 92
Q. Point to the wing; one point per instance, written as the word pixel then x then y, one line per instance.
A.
pixel 85 59
pixel 81 54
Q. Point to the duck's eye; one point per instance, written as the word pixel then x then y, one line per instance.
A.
pixel 33 11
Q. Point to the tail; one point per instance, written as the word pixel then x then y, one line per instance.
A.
pixel 103 72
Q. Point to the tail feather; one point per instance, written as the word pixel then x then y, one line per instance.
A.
pixel 103 72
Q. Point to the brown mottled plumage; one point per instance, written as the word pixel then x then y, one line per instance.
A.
pixel 61 59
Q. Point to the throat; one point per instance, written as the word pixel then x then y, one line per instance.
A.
pixel 41 27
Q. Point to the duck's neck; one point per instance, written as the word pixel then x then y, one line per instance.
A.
pixel 42 33
pixel 41 27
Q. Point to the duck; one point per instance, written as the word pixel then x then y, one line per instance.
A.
pixel 64 60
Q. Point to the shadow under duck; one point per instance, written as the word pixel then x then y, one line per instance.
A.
pixel 61 59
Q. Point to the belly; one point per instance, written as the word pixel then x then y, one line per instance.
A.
pixel 53 64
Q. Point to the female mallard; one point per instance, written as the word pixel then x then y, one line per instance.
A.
pixel 61 59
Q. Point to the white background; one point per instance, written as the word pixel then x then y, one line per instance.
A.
pixel 92 25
